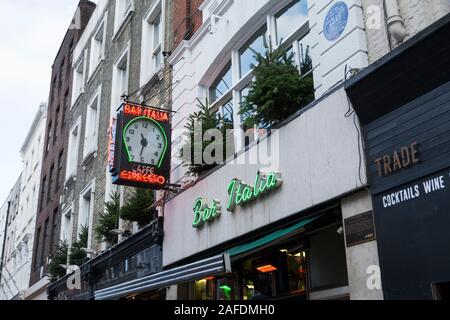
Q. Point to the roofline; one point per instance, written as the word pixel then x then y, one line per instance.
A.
pixel 42 111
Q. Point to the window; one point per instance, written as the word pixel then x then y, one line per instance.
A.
pixel 50 183
pixel 78 80
pixel 120 78
pixel 97 47
pixel 59 172
pixel 289 19
pixel 72 155
pixel 49 136
pixel 222 85
pixel 44 241
pixel 43 186
pixel 123 9
pixel 228 90
pixel 37 247
pixel 257 44
pixel 85 210
pixel 62 71
pixel 92 124
pixel 152 43
pixel 53 238
pixel 66 225
pixel 55 129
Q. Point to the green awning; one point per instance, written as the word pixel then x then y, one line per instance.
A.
pixel 246 247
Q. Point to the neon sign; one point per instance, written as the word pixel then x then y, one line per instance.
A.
pixel 204 213
pixel 138 111
pixel 141 147
pixel 241 193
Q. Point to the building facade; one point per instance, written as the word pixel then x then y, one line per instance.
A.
pixel 31 153
pixel 407 160
pixel 55 152
pixel 121 56
pixel 10 213
pixel 308 211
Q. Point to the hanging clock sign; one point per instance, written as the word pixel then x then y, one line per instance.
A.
pixel 142 147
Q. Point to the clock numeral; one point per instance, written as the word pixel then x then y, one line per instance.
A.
pixel 131 131
pixel 160 146
pixel 145 125
pixel 153 129
pixel 130 149
pixel 128 139
pixel 153 161
pixel 156 154
pixel 142 159
pixel 132 158
pixel 158 137
pixel 136 126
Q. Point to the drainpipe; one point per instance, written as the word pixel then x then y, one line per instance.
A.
pixel 394 21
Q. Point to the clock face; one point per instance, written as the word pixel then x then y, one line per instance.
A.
pixel 145 141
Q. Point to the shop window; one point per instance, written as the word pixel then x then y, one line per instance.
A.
pixel 327 260
pixel 441 291
pixel 290 18
pixel 256 44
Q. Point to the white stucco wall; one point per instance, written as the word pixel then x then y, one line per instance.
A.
pixel 25 222
pixel 198 62
pixel 318 159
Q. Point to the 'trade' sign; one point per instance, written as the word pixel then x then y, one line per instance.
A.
pixel 142 147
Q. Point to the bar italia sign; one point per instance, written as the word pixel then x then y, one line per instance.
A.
pixel 239 194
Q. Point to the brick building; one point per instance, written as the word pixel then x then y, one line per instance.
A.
pixel 54 160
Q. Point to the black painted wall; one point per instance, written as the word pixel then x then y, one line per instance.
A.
pixel 414 234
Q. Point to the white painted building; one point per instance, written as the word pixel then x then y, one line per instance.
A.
pixel 318 152
pixel 20 253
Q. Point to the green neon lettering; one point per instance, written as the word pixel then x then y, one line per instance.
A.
pixel 197 223
pixel 247 194
pixel 232 195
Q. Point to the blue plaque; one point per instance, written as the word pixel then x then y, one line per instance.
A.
pixel 335 21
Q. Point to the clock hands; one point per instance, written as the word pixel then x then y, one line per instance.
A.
pixel 144 143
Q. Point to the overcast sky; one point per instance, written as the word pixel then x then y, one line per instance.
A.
pixel 31 32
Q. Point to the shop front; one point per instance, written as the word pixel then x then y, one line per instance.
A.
pixel 403 102
pixel 280 223
pixel 303 261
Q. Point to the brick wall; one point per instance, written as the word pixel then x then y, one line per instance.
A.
pixel 56 139
pixel 187 18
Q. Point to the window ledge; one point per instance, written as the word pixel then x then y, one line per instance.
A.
pixel 78 98
pixel 90 155
pixel 71 178
pixel 158 72
pixel 96 69
pixel 121 26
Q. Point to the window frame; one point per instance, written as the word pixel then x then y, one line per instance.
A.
pixel 79 78
pixel 88 190
pixel 148 66
pixel 124 12
pixel 94 62
pixel 73 150
pixel 238 82
pixel 91 135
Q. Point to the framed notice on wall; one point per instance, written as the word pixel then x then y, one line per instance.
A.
pixel 359 229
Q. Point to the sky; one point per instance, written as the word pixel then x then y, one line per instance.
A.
pixel 31 32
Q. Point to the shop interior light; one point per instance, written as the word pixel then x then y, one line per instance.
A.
pixel 208 279
pixel 266 268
